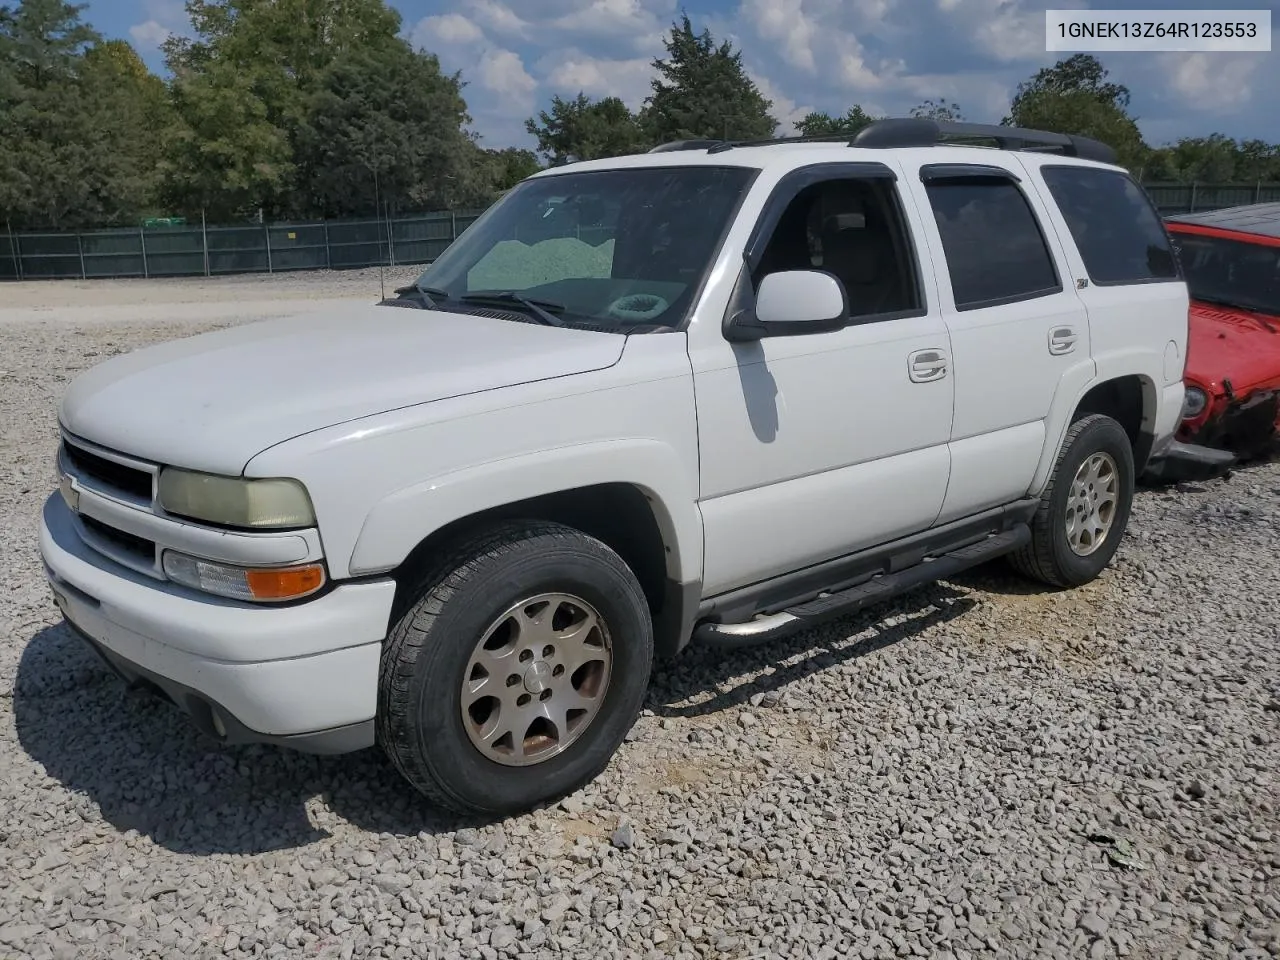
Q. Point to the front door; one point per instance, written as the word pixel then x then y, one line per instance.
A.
pixel 813 447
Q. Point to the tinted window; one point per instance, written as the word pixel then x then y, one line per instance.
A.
pixel 993 244
pixel 1114 225
pixel 1230 272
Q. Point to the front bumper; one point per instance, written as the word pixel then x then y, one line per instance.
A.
pixel 303 675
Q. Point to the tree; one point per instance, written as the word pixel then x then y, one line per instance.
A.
pixel 1081 73
pixel 79 120
pixel 943 111
pixel 391 113
pixel 586 129
pixel 1075 97
pixel 703 91
pixel 511 165
pixel 821 124
pixel 291 106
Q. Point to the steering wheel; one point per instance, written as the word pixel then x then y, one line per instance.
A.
pixel 637 307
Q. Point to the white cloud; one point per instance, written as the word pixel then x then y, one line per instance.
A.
pixel 499 17
pixel 164 18
pixel 149 35
pixel 574 72
pixel 1212 81
pixel 502 72
pixel 785 22
pixel 448 28
pixel 785 110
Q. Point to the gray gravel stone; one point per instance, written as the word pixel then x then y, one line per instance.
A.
pixel 919 781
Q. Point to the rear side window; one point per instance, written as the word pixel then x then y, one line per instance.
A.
pixel 1116 228
pixel 995 250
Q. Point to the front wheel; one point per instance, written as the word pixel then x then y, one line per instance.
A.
pixel 1084 510
pixel 516 673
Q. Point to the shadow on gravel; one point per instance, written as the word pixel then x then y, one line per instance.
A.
pixel 148 770
pixel 701 668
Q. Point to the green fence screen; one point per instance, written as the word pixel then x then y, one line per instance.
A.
pixel 172 247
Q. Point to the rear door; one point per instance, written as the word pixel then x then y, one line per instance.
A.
pixel 1015 322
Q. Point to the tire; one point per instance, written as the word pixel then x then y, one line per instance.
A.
pixel 1050 556
pixel 424 725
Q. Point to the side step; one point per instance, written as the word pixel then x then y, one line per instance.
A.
pixel 828 606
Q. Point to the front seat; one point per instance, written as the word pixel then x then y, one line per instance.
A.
pixel 858 256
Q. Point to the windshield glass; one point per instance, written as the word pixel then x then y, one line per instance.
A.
pixel 1219 270
pixel 613 248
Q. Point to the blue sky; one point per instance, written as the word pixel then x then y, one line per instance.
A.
pixel 886 55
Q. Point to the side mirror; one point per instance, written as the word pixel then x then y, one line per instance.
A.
pixel 793 303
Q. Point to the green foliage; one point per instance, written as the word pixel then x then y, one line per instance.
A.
pixel 821 124
pixel 509 166
pixel 943 110
pixel 703 91
pixel 1074 96
pixel 586 129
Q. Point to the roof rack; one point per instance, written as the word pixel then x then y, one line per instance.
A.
pixel 923 132
pixel 686 145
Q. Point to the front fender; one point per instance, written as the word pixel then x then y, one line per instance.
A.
pixel 402 520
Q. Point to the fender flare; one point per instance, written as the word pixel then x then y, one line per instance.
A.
pixel 1076 384
pixel 402 520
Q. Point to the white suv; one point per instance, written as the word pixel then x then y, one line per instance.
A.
pixel 716 391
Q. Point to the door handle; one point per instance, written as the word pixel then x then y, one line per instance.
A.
pixel 925 366
pixel 1062 340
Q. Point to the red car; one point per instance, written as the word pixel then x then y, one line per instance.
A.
pixel 1231 261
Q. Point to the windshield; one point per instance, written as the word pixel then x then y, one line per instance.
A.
pixel 614 248
pixel 1232 272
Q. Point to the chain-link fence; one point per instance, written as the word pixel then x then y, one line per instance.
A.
pixel 205 250
pixel 186 250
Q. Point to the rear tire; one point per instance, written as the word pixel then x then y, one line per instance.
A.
pixel 517 670
pixel 1085 507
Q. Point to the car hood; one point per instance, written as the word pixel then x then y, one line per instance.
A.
pixel 213 401
pixel 1235 345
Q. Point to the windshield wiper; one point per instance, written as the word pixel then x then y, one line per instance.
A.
pixel 428 295
pixel 541 309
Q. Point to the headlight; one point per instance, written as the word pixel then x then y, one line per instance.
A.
pixel 235 501
pixel 269 584
pixel 1194 403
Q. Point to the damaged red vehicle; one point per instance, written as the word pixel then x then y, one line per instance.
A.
pixel 1231 261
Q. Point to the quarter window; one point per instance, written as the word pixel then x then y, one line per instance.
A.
pixel 995 250
pixel 1114 225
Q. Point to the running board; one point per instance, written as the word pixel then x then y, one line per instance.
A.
pixel 827 606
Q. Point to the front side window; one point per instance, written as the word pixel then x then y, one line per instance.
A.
pixel 1115 227
pixel 1230 273
pixel 853 229
pixel 620 249
pixel 995 251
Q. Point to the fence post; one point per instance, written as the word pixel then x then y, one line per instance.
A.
pixel 1193 197
pixel 328 254
pixel 204 240
pixel 266 232
pixel 142 238
pixel 80 250
pixel 1257 192
pixel 391 234
pixel 453 225
pixel 13 250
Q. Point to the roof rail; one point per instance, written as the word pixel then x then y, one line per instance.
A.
pixel 686 145
pixel 923 132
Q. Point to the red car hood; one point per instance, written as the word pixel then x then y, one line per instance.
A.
pixel 1236 345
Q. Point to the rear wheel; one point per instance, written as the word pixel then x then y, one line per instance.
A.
pixel 516 672
pixel 1084 509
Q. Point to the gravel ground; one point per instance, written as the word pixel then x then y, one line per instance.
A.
pixel 981 769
